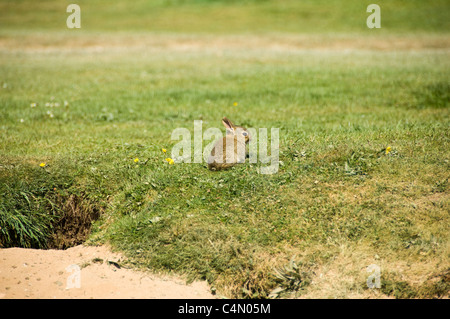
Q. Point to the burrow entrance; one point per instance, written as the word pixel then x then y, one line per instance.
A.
pixel 73 225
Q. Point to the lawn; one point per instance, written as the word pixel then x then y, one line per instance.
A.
pixel 364 141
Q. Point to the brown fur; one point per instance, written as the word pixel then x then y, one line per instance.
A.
pixel 238 137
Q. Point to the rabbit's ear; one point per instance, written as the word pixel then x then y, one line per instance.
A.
pixel 228 125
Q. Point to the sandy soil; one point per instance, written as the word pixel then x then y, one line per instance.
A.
pixel 84 272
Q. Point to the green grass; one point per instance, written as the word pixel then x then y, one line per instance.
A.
pixel 338 203
pixel 224 16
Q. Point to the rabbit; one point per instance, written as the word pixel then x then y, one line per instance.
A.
pixel 235 140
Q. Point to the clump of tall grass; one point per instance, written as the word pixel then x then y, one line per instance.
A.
pixel 25 218
pixel 39 209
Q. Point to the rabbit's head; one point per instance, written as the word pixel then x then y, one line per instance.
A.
pixel 236 130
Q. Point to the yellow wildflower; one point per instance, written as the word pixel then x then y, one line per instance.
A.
pixel 388 150
pixel 170 161
pixel 136 160
pixel 235 103
pixel 42 165
pixel 164 150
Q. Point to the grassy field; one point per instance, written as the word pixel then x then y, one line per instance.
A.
pixel 364 140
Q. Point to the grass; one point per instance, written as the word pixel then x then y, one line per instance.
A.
pixel 225 17
pixel 338 203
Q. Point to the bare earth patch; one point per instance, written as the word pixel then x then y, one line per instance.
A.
pixel 35 274
pixel 150 42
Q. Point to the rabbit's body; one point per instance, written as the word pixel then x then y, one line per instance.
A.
pixel 231 149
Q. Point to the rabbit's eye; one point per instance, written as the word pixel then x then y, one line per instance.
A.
pixel 244 133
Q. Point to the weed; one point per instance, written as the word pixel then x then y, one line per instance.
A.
pixel 290 279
